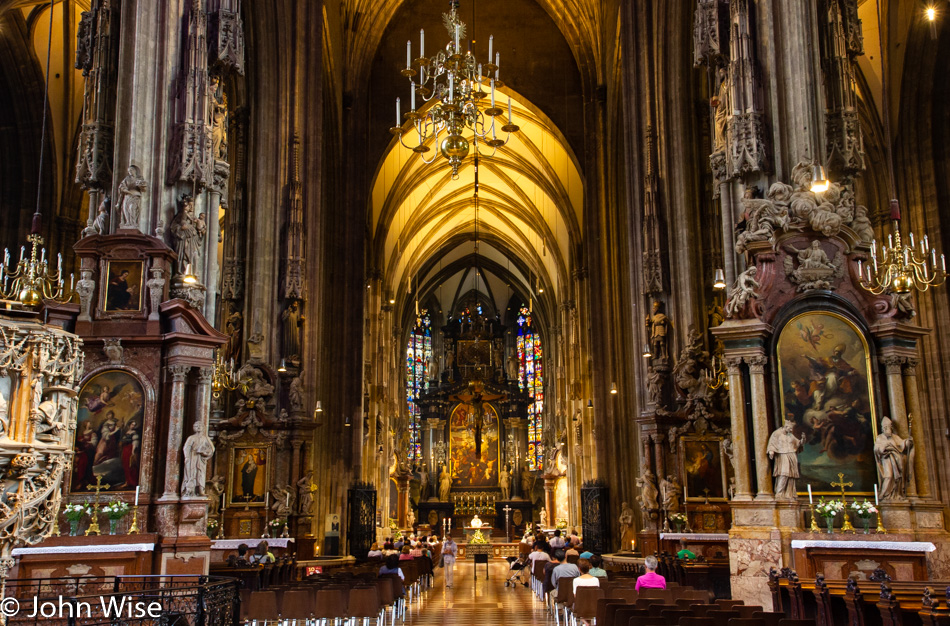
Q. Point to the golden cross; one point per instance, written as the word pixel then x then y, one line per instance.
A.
pixel 846 521
pixel 94 524
pixel 842 484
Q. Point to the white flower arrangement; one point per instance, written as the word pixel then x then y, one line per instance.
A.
pixel 863 509
pixel 277 522
pixel 678 518
pixel 830 508
pixel 75 512
pixel 116 510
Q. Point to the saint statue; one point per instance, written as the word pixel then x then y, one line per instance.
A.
pixel 187 233
pixel 504 483
pixel 101 225
pixel 512 367
pixel 214 488
pixel 305 491
pixel 742 293
pixel 295 394
pixel 130 193
pixel 544 517
pixel 648 491
pixel 234 329
pixel 783 449
pixel 723 111
pixel 197 452
pixel 445 484
pixel 627 536
pixel 424 482
pixel 895 461
pixel 219 125
pixel 658 325
pixel 812 257
pixel 671 491
pixel 293 320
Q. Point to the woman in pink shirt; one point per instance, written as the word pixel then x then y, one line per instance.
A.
pixel 650 580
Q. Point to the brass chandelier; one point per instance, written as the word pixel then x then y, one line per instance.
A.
pixel 455 82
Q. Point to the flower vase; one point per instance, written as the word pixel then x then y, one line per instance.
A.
pixel 113 526
pixel 830 521
pixel 73 527
pixel 867 525
pixel 677 527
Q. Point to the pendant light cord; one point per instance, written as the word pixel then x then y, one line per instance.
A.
pixel 37 216
pixel 886 110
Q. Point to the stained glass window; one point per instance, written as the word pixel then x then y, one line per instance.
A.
pixel 531 378
pixel 418 356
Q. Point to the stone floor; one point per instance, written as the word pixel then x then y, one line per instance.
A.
pixel 478 602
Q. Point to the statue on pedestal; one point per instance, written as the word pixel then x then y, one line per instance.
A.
pixel 648 492
pixel 130 193
pixel 197 452
pixel 671 491
pixel 305 491
pixel 424 482
pixel 445 484
pixel 895 461
pixel 188 234
pixel 214 488
pixel 627 536
pixel 783 449
pixel 658 325
pixel 504 483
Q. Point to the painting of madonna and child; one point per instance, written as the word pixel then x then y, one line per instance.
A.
pixel 109 432
pixel 824 373
pixel 471 467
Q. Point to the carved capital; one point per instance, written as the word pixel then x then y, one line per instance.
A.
pixel 205 374
pixel 910 366
pixel 179 372
pixel 733 364
pixel 757 363
pixel 893 364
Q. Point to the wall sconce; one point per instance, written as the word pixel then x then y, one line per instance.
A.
pixel 283 366
pixel 590 404
pixel 647 352
pixel 319 408
pixel 719 280
pixel 819 181
pixel 613 388
pixel 189 278
pixel 347 421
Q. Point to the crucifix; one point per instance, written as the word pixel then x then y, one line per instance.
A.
pixel 846 524
pixel 507 511
pixel 94 524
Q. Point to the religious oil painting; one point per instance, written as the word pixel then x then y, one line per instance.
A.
pixel 474 447
pixel 249 475
pixel 824 370
pixel 705 476
pixel 124 292
pixel 109 432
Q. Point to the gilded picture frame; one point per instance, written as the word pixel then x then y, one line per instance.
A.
pixel 249 474
pixel 825 379
pixel 703 468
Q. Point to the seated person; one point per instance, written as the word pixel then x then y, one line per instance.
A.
pixel 391 566
pixel 650 580
pixel 571 552
pixel 557 541
pixel 547 587
pixel 262 555
pixel 374 551
pixel 685 553
pixel 538 555
pixel 239 560
pixel 585 579
pixel 405 554
pixel 416 550
pixel 596 566
pixel 565 569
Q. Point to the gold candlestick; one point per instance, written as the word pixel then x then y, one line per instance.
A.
pixel 134 528
pixel 220 524
pixel 880 527
pixel 846 526
pixel 94 524
pixel 814 525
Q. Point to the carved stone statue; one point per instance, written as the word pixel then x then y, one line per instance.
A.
pixel 101 225
pixel 197 452
pixel 783 449
pixel 219 125
pixel 671 492
pixel 527 482
pixel 742 293
pixel 213 489
pixel 449 359
pixel 156 290
pixel 234 329
pixel 511 367
pixel 131 190
pixel 188 233
pixel 862 226
pixel 895 461
pixel 812 257
pixel 648 492
pixel 305 491
pixel 86 288
pixel 723 111
pixel 282 500
pixel 504 483
pixel 411 518
pixel 295 394
pixel 445 484
pixel 658 325
pixel 432 371
pixel 544 517
pixel 424 482
pixel 761 217
pixel 292 324
pixel 627 530
pixel 257 386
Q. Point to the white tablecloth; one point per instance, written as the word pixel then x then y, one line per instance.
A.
pixel 906 546
pixel 695 536
pixel 113 547
pixel 232 544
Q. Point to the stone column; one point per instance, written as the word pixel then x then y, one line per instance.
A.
pixel 176 418
pixel 402 504
pixel 658 439
pixel 912 398
pixel 203 396
pixel 740 445
pixel 519 426
pixel 550 483
pixel 760 424
pixel 895 392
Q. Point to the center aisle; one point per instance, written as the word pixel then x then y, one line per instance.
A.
pixel 478 603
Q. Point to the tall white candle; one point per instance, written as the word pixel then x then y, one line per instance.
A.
pixel 493 94
pixel 451 87
pixel 509 109
pixel 288 498
pixel 422 42
pixel 266 499
pixel 413 90
pixel 810 500
pixel 398 113
pixel 136 496
pixel 408 54
pixel 876 503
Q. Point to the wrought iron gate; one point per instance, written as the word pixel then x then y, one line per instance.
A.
pixel 361 527
pixel 594 516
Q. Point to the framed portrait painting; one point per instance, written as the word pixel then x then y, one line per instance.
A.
pixel 473 465
pixel 109 432
pixel 249 483
pixel 124 292
pixel 704 475
pixel 824 374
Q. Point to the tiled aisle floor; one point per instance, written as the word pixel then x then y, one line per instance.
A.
pixel 478 603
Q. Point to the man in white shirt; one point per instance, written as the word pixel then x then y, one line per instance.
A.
pixel 537 555
pixel 557 541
